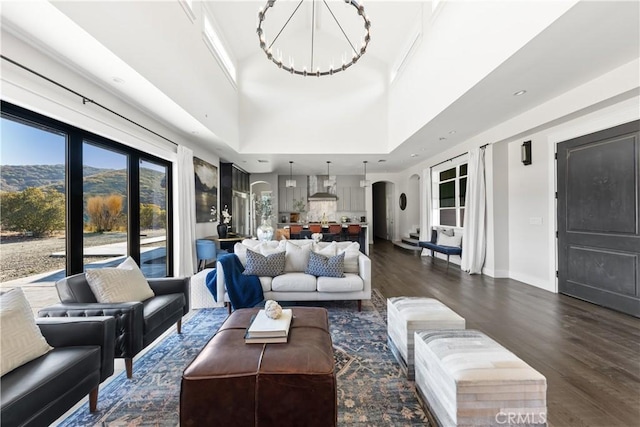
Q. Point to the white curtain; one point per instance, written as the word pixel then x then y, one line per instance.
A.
pixel 186 229
pixel 427 225
pixel 474 236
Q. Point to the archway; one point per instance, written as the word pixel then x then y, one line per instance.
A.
pixel 259 189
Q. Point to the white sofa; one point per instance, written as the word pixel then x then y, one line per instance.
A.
pixel 295 284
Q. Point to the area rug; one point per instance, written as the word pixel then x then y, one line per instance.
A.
pixel 372 391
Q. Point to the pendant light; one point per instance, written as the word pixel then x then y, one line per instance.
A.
pixel 329 181
pixel 364 182
pixel 290 183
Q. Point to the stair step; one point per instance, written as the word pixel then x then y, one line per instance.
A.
pixel 415 235
pixel 410 241
pixel 407 246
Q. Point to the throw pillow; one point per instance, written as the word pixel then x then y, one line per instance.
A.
pixel 320 265
pixel 455 240
pixel 21 339
pixel 326 249
pixel 264 266
pixel 265 248
pixel 446 231
pixel 351 255
pixel 297 257
pixel 124 283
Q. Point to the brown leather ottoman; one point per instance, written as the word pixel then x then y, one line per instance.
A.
pixel 231 383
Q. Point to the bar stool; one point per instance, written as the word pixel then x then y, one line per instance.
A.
pixel 294 231
pixel 335 232
pixel 315 228
pixel 353 232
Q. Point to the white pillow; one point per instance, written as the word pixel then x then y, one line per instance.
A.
pixel 297 257
pixel 21 339
pixel 125 283
pixel 444 240
pixel 264 248
pixel 351 254
pixel 329 250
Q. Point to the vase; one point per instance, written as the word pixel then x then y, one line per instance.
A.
pixel 265 230
pixel 222 231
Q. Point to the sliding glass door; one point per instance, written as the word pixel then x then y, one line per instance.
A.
pixel 99 200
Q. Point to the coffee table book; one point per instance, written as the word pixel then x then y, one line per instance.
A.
pixel 250 339
pixel 263 326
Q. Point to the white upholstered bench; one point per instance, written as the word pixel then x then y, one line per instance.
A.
pixel 406 315
pixel 467 379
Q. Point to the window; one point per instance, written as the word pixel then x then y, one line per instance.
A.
pixel 72 200
pixel 216 46
pixel 449 193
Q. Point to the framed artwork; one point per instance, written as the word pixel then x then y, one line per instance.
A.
pixel 206 177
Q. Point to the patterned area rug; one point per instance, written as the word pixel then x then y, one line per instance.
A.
pixel 372 390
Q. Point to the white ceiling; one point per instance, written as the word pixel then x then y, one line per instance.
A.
pixel 158 51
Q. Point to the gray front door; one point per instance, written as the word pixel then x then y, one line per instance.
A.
pixel 598 219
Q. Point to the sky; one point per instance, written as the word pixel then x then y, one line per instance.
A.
pixel 27 145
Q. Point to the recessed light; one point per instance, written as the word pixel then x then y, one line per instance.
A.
pixel 451 132
pixel 263 161
pixel 520 92
pixel 381 161
pixel 118 80
pixel 414 155
pixel 442 138
pixel 195 132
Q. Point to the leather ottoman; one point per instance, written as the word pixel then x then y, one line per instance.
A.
pixel 285 384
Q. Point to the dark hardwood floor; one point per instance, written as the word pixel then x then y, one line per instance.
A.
pixel 590 355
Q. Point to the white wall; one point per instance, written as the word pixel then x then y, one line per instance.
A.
pixel 521 227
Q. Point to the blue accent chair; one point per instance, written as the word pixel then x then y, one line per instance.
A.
pixel 207 250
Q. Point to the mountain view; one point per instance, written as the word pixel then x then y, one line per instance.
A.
pixel 97 181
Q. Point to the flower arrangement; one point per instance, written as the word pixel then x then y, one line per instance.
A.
pixel 264 208
pixel 226 216
pixel 214 213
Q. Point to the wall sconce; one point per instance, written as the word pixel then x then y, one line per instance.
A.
pixel 525 153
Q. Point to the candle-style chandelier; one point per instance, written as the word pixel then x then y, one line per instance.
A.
pixel 312 68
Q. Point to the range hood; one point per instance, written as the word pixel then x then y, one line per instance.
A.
pixel 322 196
pixel 319 193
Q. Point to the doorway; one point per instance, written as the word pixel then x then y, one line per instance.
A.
pixel 383 210
pixel 598 218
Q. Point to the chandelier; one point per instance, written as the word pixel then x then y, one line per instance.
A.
pixel 312 69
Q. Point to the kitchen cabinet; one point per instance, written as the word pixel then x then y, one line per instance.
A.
pixel 350 199
pixel 286 196
pixel 357 199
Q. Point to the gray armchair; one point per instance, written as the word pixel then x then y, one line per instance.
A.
pixel 138 324
pixel 40 391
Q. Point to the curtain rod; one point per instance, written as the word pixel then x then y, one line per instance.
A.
pixel 85 99
pixel 455 157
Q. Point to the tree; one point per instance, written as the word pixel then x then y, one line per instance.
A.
pixel 104 211
pixel 33 210
pixel 152 216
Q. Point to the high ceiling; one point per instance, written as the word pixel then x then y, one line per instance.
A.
pixel 465 60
